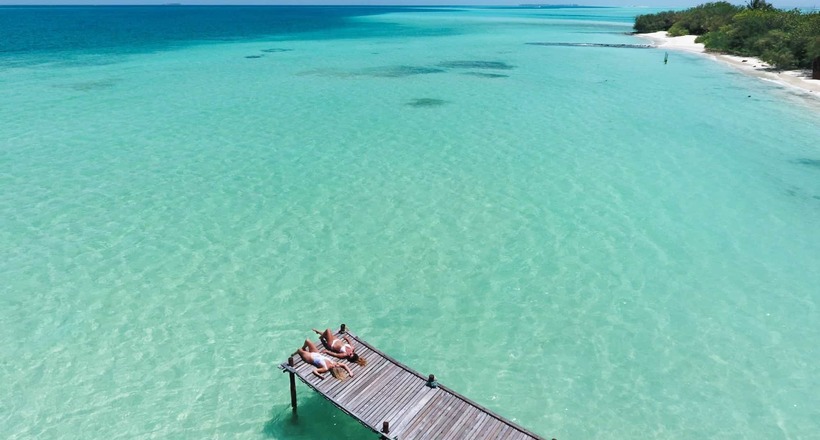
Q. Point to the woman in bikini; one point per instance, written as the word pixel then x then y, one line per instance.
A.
pixel 310 354
pixel 340 348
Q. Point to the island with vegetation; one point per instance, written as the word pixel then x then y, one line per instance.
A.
pixel 786 39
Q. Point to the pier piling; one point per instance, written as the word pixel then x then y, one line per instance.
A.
pixel 292 385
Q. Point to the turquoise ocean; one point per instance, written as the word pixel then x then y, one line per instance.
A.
pixel 586 240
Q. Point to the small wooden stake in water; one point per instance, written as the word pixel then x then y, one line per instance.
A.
pixel 665 57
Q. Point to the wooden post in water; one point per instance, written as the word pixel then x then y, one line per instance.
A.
pixel 292 385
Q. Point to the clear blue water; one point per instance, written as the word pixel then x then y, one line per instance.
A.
pixel 123 28
pixel 585 240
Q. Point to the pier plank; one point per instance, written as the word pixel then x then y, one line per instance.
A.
pixel 396 396
pixel 416 426
pixel 466 420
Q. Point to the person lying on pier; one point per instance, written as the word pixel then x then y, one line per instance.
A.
pixel 340 348
pixel 310 354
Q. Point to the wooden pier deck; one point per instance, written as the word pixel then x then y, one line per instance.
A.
pixel 402 404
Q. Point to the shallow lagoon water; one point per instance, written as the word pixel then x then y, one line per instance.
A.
pixel 583 239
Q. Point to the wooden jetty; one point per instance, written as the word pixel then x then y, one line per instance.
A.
pixel 401 404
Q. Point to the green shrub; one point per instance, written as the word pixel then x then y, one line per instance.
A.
pixel 806 36
pixel 677 30
pixel 774 49
pixel 813 49
pixel 708 17
pixel 715 41
pixel 781 59
pixel 655 22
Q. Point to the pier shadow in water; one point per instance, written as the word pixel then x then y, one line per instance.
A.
pixel 315 418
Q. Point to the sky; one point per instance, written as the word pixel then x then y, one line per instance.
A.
pixel 783 4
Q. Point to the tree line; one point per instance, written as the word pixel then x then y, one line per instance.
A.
pixel 786 39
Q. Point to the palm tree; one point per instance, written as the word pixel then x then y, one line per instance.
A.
pixel 759 4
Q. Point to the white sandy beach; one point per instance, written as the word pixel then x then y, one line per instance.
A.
pixel 752 66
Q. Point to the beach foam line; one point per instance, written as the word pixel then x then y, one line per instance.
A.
pixel 797 79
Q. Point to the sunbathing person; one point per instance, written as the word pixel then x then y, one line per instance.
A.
pixel 340 348
pixel 310 354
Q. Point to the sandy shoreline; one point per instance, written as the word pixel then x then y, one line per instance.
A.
pixel 791 78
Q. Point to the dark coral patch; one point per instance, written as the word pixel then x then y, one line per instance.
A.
pixel 254 56
pixel 808 162
pixel 496 65
pixel 87 86
pixel 400 71
pixel 486 75
pixel 276 50
pixel 378 72
pixel 426 102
